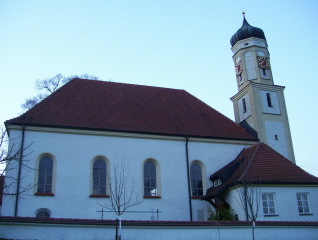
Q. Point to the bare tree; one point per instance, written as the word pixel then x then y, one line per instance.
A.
pixel 121 188
pixel 12 158
pixel 48 86
pixel 249 196
pixel 249 199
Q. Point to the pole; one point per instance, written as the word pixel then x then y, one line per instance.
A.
pixel 19 174
pixel 188 174
pixel 117 229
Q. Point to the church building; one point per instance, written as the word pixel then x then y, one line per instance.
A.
pixel 163 152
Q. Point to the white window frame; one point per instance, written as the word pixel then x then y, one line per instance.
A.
pixel 269 204
pixel 303 203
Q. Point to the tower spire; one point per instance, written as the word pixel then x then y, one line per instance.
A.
pixel 259 105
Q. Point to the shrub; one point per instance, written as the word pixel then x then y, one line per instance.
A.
pixel 222 214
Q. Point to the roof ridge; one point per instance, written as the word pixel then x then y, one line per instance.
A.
pixel 251 161
pixel 132 84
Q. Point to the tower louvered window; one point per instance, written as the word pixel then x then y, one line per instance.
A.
pixel 269 100
pixel 244 105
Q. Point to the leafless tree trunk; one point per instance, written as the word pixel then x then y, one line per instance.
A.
pixel 49 86
pixel 249 199
pixel 13 157
pixel 121 188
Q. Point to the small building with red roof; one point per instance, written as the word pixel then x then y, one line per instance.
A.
pixel 261 184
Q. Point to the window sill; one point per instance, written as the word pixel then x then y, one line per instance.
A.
pixel 271 215
pixel 152 196
pixel 99 196
pixel 196 197
pixel 43 194
pixel 305 214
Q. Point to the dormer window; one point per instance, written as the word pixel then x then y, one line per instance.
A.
pixel 217 182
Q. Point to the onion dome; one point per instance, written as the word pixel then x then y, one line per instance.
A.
pixel 247 31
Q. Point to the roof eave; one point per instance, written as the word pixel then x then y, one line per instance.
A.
pixel 7 123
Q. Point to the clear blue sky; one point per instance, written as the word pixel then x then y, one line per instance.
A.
pixel 181 44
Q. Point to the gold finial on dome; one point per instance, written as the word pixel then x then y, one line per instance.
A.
pixel 243 13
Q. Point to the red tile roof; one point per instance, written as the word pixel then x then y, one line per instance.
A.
pixel 259 164
pixel 70 221
pixel 99 105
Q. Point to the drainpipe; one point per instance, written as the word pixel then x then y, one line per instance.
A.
pixel 188 173
pixel 19 173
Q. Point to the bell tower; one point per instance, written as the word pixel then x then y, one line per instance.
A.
pixel 259 105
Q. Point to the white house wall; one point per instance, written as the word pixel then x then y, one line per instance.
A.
pixel 73 154
pixel 285 203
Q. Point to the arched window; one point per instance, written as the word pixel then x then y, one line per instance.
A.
pixel 269 100
pixel 150 179
pixel 43 213
pixel 244 105
pixel 45 175
pixel 99 177
pixel 196 180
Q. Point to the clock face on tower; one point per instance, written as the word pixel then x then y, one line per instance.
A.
pixel 262 62
pixel 238 68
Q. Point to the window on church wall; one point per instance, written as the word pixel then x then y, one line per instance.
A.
pixel 150 179
pixel 99 177
pixel 45 175
pixel 269 100
pixel 43 213
pixel 196 180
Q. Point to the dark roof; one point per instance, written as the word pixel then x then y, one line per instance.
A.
pixel 99 105
pixel 259 164
pixel 70 221
pixel 247 31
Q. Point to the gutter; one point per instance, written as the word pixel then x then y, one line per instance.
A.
pixel 129 131
pixel 188 174
pixel 19 174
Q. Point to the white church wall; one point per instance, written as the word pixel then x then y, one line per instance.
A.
pixel 73 154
